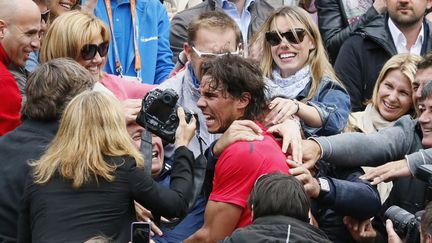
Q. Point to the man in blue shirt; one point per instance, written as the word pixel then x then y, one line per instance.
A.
pixel 149 57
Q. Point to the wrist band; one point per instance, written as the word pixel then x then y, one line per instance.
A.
pixel 298 106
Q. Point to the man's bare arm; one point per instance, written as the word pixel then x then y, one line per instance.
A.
pixel 220 220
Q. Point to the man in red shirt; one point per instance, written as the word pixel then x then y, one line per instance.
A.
pixel 232 88
pixel 19 35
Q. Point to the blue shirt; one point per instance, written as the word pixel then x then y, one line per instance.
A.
pixel 242 21
pixel 151 20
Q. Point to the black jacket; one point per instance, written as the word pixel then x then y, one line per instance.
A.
pixel 334 27
pixel 348 196
pixel 364 54
pixel 55 212
pixel 275 229
pixel 26 142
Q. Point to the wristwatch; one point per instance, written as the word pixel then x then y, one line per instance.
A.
pixel 324 185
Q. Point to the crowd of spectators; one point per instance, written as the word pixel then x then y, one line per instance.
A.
pixel 310 119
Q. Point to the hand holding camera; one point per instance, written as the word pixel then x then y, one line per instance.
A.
pixel 185 131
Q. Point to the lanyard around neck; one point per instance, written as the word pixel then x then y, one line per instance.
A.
pixel 119 68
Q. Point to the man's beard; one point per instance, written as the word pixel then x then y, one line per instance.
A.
pixel 402 21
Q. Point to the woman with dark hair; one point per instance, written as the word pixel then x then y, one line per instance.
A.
pixel 86 182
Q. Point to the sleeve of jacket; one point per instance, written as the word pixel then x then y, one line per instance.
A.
pixel 333 106
pixel 172 202
pixel 24 224
pixel 334 27
pixel 164 63
pixel 349 69
pixel 351 196
pixel 178 34
pixel 415 160
pixel 358 149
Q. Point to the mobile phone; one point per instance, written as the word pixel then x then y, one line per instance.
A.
pixel 140 232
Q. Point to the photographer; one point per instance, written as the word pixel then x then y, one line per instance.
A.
pixel 425 228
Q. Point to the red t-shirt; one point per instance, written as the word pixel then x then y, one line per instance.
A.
pixel 240 165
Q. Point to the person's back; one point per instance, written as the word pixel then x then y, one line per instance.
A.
pixel 27 141
pixel 239 165
pixel 79 214
pixel 49 88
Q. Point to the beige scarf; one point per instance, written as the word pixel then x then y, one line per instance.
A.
pixel 367 121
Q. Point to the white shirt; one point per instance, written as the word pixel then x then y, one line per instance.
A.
pixel 400 41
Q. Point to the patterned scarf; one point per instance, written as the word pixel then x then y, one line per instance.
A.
pixel 288 87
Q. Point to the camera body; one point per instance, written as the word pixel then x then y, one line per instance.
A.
pixel 158 113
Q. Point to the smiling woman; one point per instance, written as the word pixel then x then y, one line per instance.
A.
pixel 59 7
pixel 85 38
pixel 391 98
pixel 295 62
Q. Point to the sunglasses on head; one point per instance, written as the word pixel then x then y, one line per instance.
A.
pixel 45 15
pixel 274 38
pixel 88 51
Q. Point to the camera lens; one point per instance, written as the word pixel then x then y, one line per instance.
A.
pixel 167 99
pixel 400 218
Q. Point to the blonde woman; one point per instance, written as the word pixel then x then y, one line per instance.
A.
pixel 87 181
pixel 294 59
pixel 391 98
pixel 85 38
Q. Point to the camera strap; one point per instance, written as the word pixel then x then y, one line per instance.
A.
pixel 146 150
pixel 119 68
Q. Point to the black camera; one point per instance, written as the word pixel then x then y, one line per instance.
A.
pixel 158 113
pixel 405 224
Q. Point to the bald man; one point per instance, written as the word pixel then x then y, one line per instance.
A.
pixel 19 35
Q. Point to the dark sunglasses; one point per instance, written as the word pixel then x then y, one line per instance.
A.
pixel 45 15
pixel 88 51
pixel 274 38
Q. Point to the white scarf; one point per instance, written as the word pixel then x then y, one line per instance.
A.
pixel 288 87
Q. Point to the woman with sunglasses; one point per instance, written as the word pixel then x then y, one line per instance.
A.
pixel 85 38
pixel 304 81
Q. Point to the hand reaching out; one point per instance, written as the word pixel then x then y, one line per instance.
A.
pixel 239 130
pixel 387 172
pixel 291 135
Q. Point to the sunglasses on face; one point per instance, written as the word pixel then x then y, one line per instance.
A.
pixel 45 15
pixel 274 38
pixel 88 51
pixel 206 55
